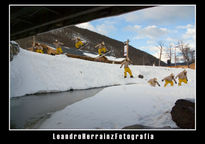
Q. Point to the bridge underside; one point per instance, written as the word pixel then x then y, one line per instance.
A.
pixel 30 20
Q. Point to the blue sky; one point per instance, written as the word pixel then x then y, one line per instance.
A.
pixel 144 28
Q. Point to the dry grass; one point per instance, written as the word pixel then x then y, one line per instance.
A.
pixel 191 66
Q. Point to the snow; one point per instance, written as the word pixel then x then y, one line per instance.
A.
pixel 130 101
pixel 120 106
pixel 90 55
pixel 32 72
pixel 108 57
pixel 14 43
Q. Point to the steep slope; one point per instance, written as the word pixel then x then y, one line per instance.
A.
pixel 116 47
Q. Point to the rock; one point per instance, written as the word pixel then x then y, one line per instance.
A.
pixel 183 114
pixel 140 76
pixel 14 49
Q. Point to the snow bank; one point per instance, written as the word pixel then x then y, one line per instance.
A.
pixel 32 72
pixel 119 106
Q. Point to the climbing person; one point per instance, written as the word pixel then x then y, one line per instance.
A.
pixel 78 42
pixel 168 80
pixel 38 48
pixel 45 48
pixel 101 48
pixel 58 46
pixel 182 77
pixel 126 62
pixel 153 82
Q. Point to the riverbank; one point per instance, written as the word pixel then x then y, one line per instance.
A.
pixel 28 112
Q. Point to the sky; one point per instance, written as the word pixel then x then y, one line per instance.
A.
pixel 145 28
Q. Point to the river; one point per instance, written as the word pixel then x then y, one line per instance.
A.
pixel 27 112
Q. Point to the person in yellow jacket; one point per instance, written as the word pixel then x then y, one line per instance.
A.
pixel 168 80
pixel 58 47
pixel 182 77
pixel 78 42
pixel 38 48
pixel 153 82
pixel 126 62
pixel 101 48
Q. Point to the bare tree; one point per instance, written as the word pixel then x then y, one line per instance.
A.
pixel 192 56
pixel 175 55
pixel 169 52
pixel 160 45
pixel 186 51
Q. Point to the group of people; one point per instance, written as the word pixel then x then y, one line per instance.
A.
pixel 101 46
pixel 37 47
pixel 182 77
pixel 78 44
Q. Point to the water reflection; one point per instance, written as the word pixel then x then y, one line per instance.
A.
pixel 27 111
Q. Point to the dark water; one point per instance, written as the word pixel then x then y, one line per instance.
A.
pixel 28 111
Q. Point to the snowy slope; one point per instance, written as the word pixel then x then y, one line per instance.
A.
pixel 32 72
pixel 113 107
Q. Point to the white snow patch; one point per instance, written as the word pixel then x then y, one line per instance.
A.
pixel 119 106
pixel 108 57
